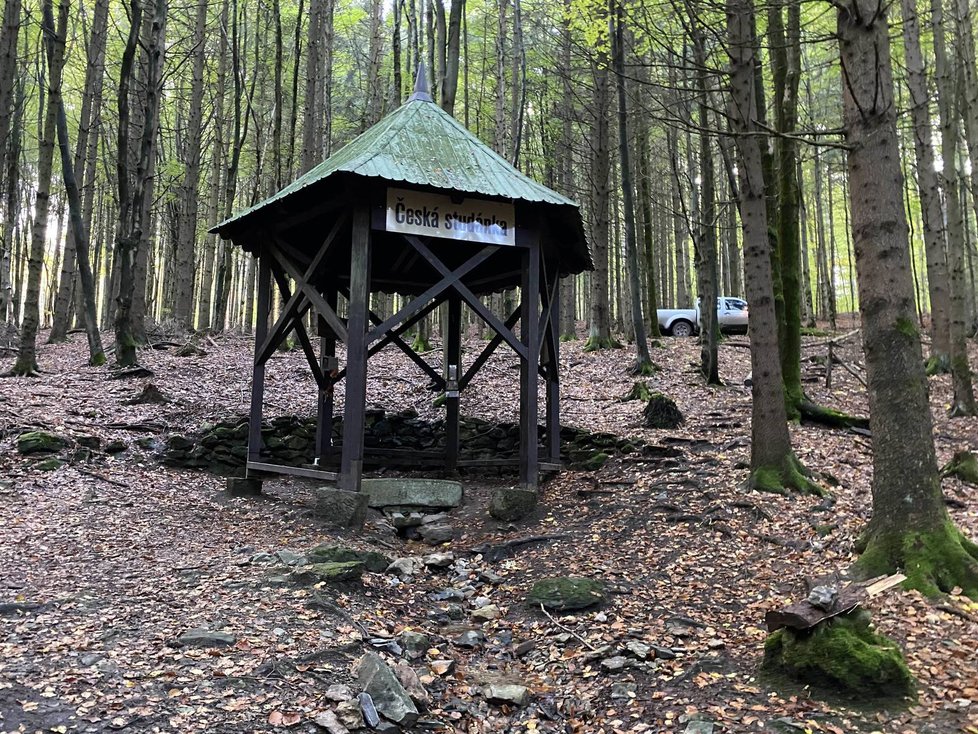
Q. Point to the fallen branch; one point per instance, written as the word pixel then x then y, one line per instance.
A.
pixel 104 478
pixel 493 553
pixel 568 630
pixel 957 612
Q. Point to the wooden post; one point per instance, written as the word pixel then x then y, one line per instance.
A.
pixel 530 336
pixel 327 361
pixel 453 375
pixel 552 340
pixel 258 370
pixel 351 462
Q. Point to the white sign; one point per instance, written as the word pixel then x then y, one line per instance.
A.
pixel 434 215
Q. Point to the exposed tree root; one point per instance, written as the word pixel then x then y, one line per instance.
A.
pixel 595 343
pixel 791 477
pixel 823 416
pixel 640 391
pixel 643 368
pixel 935 560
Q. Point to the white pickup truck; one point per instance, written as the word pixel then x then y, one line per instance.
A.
pixel 731 314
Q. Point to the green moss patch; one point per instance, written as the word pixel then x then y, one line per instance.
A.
pixel 935 561
pixel 371 560
pixel 843 654
pixel 40 442
pixel 964 466
pixel 791 476
pixel 329 572
pixel 640 391
pixel 566 593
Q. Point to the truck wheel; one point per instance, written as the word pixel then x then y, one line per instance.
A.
pixel 682 328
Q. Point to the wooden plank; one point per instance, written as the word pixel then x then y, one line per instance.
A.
pixel 351 458
pixel 804 615
pixel 261 467
pixel 258 369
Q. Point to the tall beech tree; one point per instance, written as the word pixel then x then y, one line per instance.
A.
pixel 910 529
pixel 774 467
pixel 54 43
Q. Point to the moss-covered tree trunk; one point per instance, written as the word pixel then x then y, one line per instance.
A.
pixel 910 528
pixel 773 463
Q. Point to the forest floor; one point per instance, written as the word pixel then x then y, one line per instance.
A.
pixel 105 562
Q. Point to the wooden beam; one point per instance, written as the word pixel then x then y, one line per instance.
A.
pixel 296 303
pixel 529 366
pixel 496 340
pixel 258 369
pixel 451 278
pixel 351 459
pixel 324 402
pixel 452 370
pixel 552 340
pixel 314 296
pixel 261 467
pixel 301 335
pixel 468 296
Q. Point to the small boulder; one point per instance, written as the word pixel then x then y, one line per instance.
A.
pixel 511 504
pixel 844 653
pixel 614 664
pixel 40 442
pixel 439 560
pixel 408 678
pixel 470 639
pixel 566 593
pixel 486 613
pixel 436 534
pixel 340 508
pixel 390 698
pixel 330 722
pixel 405 567
pixel 415 644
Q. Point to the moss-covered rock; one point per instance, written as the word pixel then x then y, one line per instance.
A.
pixel 329 572
pixel 662 412
pixel 595 461
pixel 566 593
pixel 844 654
pixel 510 504
pixel 371 560
pixel 40 442
pixel 49 464
pixel 964 466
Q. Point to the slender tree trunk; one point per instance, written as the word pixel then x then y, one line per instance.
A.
pixel 910 528
pixel 79 231
pixel 599 326
pixel 54 43
pixel 773 463
pixel 186 245
pixel 643 362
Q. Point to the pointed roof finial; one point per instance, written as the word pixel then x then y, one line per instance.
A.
pixel 421 91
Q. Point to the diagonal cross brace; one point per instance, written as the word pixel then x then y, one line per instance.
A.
pixel 451 278
pixel 300 332
pixel 308 291
pixel 469 297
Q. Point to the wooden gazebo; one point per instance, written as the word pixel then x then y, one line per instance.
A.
pixel 416 205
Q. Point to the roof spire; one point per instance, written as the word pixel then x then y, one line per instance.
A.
pixel 421 91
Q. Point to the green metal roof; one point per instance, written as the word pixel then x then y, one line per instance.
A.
pixel 421 144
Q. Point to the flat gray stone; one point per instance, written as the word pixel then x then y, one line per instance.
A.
pixel 407 492
pixel 205 638
pixel 512 694
pixel 341 508
pixel 614 664
pixel 415 644
pixel 389 696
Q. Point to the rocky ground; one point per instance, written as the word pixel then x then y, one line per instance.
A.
pixel 141 598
